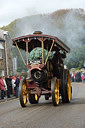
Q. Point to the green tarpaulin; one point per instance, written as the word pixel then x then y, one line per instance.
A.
pixel 36 54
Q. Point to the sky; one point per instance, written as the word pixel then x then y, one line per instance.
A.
pixel 13 9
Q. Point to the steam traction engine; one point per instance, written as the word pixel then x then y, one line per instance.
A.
pixel 46 74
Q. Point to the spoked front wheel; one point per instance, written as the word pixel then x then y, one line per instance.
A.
pixel 23 93
pixel 55 91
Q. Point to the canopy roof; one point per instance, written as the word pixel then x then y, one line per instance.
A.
pixel 34 40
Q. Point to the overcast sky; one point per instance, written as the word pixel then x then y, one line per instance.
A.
pixel 13 9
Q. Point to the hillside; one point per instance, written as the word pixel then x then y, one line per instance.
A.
pixel 68 25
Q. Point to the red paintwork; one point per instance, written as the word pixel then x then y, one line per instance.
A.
pixel 38 66
pixel 33 85
pixel 29 66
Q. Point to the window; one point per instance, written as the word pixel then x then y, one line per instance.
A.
pixel 1 48
pixel 1 72
pixel 0 53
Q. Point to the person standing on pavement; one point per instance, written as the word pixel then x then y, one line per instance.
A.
pixel 17 86
pixel 13 85
pixel 2 87
pixel 5 90
pixel 9 86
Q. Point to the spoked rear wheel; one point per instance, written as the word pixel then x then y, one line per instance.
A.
pixel 23 93
pixel 66 87
pixel 55 91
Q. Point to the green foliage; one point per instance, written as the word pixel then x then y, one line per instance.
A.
pixel 76 58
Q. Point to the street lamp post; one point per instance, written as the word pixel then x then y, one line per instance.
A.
pixel 5 36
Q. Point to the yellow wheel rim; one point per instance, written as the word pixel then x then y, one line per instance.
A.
pixel 57 91
pixel 69 86
pixel 25 94
pixel 36 97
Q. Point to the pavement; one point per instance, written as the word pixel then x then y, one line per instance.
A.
pixel 7 99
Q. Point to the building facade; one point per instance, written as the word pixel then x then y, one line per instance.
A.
pixel 6 65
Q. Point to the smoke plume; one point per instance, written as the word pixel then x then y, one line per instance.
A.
pixel 68 26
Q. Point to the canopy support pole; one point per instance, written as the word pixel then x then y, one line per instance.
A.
pixel 42 52
pixel 20 53
pixel 27 51
pixel 49 52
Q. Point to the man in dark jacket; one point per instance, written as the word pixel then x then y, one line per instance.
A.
pixel 9 85
pixel 17 86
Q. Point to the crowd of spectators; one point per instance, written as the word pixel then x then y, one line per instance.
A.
pixel 9 86
pixel 78 77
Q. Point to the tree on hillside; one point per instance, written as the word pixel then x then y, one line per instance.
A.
pixel 76 58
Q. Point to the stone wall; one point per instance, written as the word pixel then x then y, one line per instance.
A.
pixel 6 61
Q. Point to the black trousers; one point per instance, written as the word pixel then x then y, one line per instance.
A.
pixel 8 91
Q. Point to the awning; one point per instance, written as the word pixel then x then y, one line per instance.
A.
pixel 1 46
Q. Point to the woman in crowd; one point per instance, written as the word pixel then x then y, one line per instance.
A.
pixel 2 87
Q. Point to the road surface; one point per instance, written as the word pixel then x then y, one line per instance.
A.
pixel 44 114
